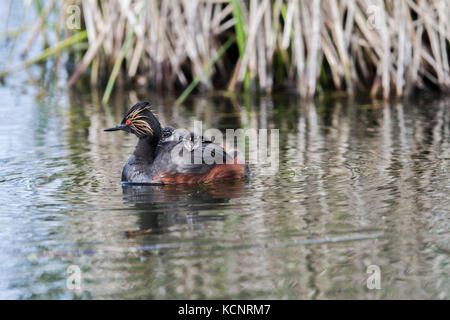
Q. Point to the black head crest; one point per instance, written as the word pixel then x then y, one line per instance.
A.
pixel 140 121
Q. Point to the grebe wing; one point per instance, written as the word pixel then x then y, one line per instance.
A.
pixel 197 160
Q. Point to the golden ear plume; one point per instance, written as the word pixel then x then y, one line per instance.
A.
pixel 137 122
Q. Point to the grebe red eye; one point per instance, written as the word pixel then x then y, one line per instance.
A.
pixel 128 122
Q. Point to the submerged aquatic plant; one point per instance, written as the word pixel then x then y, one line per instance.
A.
pixel 384 47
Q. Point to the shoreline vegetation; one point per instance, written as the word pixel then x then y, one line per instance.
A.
pixel 381 48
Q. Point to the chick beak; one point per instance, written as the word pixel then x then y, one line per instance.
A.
pixel 118 127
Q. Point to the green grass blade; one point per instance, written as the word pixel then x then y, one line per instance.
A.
pixel 239 26
pixel 76 38
pixel 116 67
pixel 68 42
pixel 205 70
pixel 240 35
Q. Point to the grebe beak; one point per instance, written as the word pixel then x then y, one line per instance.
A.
pixel 118 127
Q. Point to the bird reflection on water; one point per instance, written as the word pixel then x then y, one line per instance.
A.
pixel 162 208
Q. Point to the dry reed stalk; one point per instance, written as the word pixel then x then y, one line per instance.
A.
pixel 401 45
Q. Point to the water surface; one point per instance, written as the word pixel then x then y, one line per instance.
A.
pixel 358 184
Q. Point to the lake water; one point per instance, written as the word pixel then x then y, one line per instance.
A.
pixel 358 185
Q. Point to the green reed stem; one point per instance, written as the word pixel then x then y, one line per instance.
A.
pixel 240 35
pixel 205 70
pixel 76 38
pixel 116 67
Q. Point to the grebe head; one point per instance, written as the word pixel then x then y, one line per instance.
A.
pixel 140 121
pixel 167 132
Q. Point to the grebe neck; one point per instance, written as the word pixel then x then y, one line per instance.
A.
pixel 145 150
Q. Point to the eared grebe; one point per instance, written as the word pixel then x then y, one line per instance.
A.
pixel 161 157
